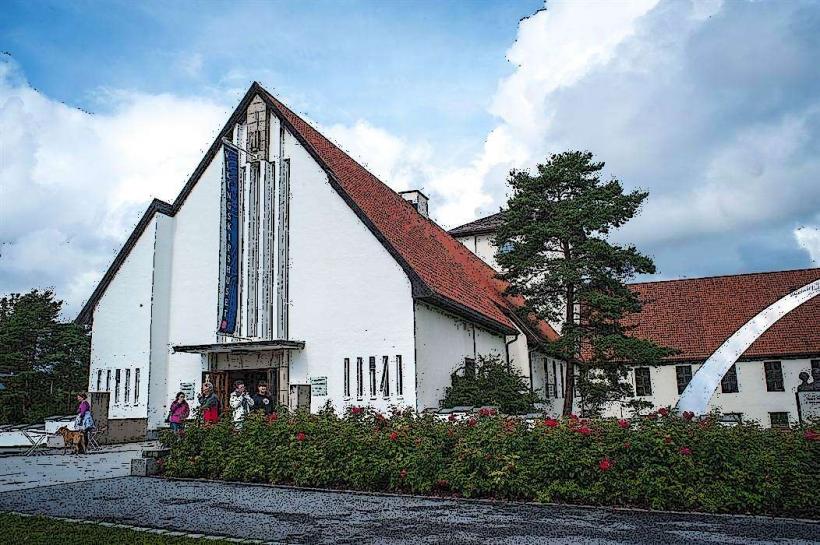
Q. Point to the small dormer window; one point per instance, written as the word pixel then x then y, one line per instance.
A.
pixel 506 248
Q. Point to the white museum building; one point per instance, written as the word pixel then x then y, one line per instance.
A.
pixel 285 261
pixel 696 316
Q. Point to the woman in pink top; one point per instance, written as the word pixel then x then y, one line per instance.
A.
pixel 179 413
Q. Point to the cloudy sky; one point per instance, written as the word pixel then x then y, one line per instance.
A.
pixel 714 107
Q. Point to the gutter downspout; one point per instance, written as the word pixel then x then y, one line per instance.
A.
pixel 507 350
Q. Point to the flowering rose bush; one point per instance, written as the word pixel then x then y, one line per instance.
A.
pixel 669 462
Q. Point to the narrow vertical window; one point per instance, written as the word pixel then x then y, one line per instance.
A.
pixel 108 380
pixel 372 375
pixel 643 382
pixel 469 367
pixel 136 385
pixel 399 376
pixel 117 386
pixel 774 376
pixel 359 378
pixel 127 395
pixel 684 376
pixel 554 379
pixel 385 384
pixel 99 379
pixel 347 377
pixel 561 368
pixel 728 384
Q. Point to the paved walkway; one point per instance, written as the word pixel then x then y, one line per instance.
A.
pixel 19 472
pixel 300 516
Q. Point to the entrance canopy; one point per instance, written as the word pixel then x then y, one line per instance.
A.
pixel 242 347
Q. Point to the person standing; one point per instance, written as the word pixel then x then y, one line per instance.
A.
pixel 241 403
pixel 209 404
pixel 262 401
pixel 178 413
pixel 84 421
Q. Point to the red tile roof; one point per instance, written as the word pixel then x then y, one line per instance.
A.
pixel 697 315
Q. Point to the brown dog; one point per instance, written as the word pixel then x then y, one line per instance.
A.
pixel 74 438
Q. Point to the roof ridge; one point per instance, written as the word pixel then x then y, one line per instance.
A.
pixel 693 279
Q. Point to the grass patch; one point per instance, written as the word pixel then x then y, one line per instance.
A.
pixel 19 529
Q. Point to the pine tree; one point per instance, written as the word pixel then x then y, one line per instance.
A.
pixel 557 254
pixel 43 362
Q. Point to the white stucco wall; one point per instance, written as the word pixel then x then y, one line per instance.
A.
pixel 752 398
pixel 442 343
pixel 482 246
pixel 194 281
pixel 121 330
pixel 348 296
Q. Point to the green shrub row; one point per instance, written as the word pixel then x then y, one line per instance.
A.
pixel 663 463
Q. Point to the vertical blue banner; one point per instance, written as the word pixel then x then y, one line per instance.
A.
pixel 230 294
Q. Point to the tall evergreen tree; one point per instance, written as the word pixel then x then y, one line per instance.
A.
pixel 556 252
pixel 43 361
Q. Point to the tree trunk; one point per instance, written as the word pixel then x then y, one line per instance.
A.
pixel 569 379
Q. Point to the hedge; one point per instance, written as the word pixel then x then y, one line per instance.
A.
pixel 666 462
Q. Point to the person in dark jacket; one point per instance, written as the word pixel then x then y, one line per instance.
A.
pixel 263 401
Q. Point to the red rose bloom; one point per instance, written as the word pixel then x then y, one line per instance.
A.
pixel 623 423
pixel 451 418
pixel 583 430
pixel 551 423
pixel 627 445
pixel 483 411
pixel 356 410
pixel 686 451
pixel 811 435
pixel 394 436
pixel 605 464
pixel 300 436
pixel 273 417
pixel 471 422
pixel 663 411
pixel 688 415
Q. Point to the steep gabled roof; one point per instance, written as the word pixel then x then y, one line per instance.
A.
pixel 482 226
pixel 697 315
pixel 441 270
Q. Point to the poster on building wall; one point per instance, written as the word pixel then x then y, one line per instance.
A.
pixel 188 389
pixel 230 295
pixel 318 386
pixel 808 405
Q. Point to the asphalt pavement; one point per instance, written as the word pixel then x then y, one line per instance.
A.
pixel 285 515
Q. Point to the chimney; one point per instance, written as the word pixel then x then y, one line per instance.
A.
pixel 418 199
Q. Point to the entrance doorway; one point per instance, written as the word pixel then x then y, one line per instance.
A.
pixel 224 381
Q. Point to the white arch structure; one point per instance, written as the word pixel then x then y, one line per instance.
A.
pixel 705 381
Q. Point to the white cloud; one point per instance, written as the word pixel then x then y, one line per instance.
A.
pixel 72 184
pixel 809 239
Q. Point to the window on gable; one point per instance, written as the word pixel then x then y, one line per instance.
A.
pixel 127 395
pixel 643 382
pixel 372 375
pixel 385 384
pixel 469 367
pixel 774 376
pixel 399 376
pixel 684 376
pixel 728 384
pixel 359 378
pixel 779 419
pixel 347 377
